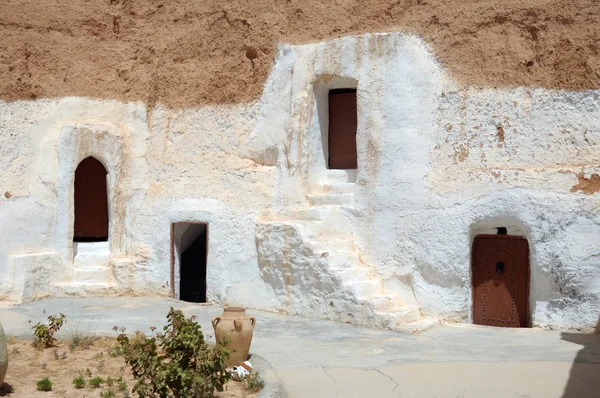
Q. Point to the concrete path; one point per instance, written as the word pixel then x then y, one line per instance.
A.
pixel 314 358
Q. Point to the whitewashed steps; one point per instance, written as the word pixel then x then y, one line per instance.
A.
pixel 337 199
pixel 92 274
pixel 337 187
pixel 91 289
pixel 395 318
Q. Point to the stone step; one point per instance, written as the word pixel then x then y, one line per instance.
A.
pixel 343 259
pixel 337 187
pixel 327 199
pixel 319 213
pixel 364 288
pixel 93 289
pixel 417 326
pixel 337 175
pixel 395 318
pixel 92 274
pixel 353 274
pixel 331 245
pixel 384 302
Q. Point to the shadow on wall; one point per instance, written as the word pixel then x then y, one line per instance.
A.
pixel 584 379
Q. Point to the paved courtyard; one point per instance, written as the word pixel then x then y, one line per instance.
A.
pixel 314 358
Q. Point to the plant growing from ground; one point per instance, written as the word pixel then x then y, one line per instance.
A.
pixel 44 385
pixel 110 381
pixel 79 382
pixel 108 394
pixel 177 363
pixel 122 384
pixel 96 382
pixel 44 334
pixel 253 382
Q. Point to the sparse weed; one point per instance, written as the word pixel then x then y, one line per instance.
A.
pixel 108 394
pixel 44 385
pixel 96 382
pixel 253 382
pixel 79 382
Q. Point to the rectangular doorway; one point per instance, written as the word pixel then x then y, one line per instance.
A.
pixel 500 281
pixel 343 120
pixel 189 253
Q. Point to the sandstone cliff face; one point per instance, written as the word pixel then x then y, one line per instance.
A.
pixel 185 53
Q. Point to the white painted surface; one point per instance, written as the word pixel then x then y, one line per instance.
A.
pixel 388 245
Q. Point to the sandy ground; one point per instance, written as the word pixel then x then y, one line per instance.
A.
pixel 28 364
pixel 185 53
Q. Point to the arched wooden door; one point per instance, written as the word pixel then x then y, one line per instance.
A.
pixel 91 202
pixel 501 281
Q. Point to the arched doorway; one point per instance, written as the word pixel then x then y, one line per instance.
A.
pixel 500 265
pixel 91 202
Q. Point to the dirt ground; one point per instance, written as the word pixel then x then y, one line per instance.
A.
pixel 27 365
pixel 185 53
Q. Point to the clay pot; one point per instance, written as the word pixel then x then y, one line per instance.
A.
pixel 238 327
pixel 3 356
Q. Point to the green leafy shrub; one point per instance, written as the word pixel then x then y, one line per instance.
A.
pixel 177 363
pixel 96 382
pixel 44 385
pixel 44 334
pixel 79 382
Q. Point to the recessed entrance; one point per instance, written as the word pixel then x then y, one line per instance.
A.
pixel 342 129
pixel 91 202
pixel 500 280
pixel 189 251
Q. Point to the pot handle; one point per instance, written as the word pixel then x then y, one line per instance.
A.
pixel 253 320
pixel 215 321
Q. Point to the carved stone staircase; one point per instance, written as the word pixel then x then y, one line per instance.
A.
pixel 92 273
pixel 326 227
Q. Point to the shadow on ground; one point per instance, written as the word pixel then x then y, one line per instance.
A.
pixel 584 379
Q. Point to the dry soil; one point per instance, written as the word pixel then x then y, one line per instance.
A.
pixel 185 53
pixel 28 364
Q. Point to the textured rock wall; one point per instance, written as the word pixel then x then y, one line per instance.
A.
pixel 439 163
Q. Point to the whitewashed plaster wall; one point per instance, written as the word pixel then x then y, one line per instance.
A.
pixel 438 163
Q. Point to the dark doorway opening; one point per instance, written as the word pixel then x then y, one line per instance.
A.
pixel 189 250
pixel 91 202
pixel 343 121
pixel 500 266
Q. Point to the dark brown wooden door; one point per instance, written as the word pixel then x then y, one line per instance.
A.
pixel 500 280
pixel 91 202
pixel 342 129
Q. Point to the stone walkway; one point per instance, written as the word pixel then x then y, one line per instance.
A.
pixel 314 358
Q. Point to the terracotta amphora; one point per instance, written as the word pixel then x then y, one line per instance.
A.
pixel 3 356
pixel 238 327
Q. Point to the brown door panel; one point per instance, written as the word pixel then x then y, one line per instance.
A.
pixel 342 129
pixel 500 280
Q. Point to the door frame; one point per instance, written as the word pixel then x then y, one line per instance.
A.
pixel 173 251
pixel 528 322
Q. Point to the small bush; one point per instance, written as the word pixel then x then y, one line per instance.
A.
pixel 44 385
pixel 44 334
pixel 96 382
pixel 79 382
pixel 108 394
pixel 253 382
pixel 110 381
pixel 177 362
